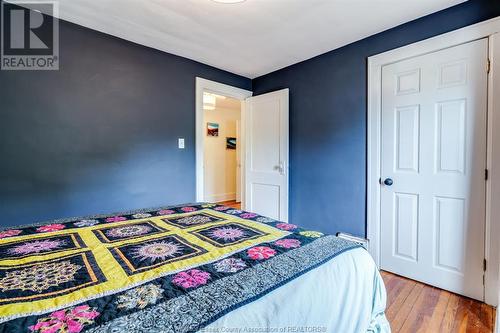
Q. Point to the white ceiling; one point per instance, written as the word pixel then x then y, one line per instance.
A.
pixel 250 38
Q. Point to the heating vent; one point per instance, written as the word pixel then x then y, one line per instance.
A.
pixel 362 241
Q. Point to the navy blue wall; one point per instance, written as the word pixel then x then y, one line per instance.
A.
pixel 328 119
pixel 100 134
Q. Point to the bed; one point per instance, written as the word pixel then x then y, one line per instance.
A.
pixel 189 268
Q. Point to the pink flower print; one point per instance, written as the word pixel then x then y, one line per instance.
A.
pixel 9 233
pixel 188 209
pixel 70 320
pixel 286 226
pixel 116 219
pixel 166 212
pixel 248 215
pixel 50 228
pixel 288 243
pixel 192 278
pixel 261 252
pixel 221 208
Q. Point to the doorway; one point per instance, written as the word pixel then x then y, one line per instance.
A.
pixel 222 106
pixel 222 153
pixel 262 152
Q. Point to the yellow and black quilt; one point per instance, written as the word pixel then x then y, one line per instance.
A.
pixel 175 269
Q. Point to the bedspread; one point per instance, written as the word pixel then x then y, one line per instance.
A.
pixel 174 269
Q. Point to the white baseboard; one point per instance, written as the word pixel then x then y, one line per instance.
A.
pixel 220 197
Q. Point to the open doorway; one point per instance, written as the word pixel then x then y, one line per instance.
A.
pixel 261 147
pixel 222 151
pixel 220 164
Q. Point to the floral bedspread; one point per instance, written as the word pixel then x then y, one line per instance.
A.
pixel 175 269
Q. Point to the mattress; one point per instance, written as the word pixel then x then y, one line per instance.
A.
pixel 199 267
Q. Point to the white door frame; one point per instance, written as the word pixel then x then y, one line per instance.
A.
pixel 203 85
pixel 485 29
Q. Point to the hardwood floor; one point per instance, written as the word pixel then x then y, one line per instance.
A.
pixel 416 307
pixel 232 204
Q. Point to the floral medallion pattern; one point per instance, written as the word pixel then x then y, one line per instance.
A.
pixel 230 265
pixel 87 223
pixel 9 233
pixel 248 215
pixel 140 297
pixel 141 215
pixel 36 246
pixel 157 251
pixel 264 219
pixel 39 277
pixel 288 243
pixel 50 228
pixel 311 234
pixel 227 234
pixel 40 246
pixel 145 255
pixel 192 220
pixel 286 226
pixel 166 212
pixel 234 211
pixel 261 252
pixel 116 219
pixel 45 279
pixel 128 231
pixel 71 320
pixel 191 279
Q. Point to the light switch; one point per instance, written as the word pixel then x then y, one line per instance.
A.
pixel 181 143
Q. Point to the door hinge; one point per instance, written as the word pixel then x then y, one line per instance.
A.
pixel 484 265
pixel 488 66
pixel 486 174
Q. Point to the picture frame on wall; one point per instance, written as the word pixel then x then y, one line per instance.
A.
pixel 212 129
pixel 230 143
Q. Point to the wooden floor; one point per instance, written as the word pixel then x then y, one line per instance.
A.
pixel 416 307
pixel 232 204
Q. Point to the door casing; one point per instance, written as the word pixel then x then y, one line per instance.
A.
pixel 204 85
pixel 487 29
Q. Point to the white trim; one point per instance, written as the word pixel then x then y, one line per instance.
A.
pixel 375 63
pixel 220 89
pixel 492 231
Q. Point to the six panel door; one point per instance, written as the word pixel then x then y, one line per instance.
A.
pixel 433 164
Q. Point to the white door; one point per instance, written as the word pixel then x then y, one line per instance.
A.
pixel 434 154
pixel 238 161
pixel 266 151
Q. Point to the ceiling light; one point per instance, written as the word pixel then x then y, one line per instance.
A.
pixel 228 1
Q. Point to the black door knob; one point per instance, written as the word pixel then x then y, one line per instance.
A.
pixel 388 181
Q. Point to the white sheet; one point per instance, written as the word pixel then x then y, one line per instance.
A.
pixel 345 295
